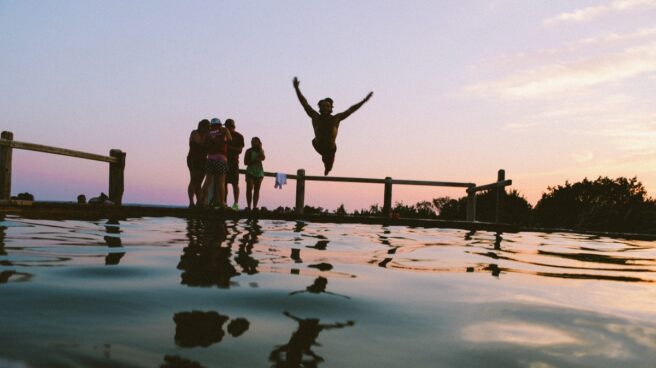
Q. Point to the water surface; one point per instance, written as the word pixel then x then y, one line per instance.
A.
pixel 168 292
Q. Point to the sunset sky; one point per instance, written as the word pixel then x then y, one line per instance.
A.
pixel 547 90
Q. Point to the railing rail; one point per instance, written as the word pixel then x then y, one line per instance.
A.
pixel 56 150
pixel 301 178
pixel 116 160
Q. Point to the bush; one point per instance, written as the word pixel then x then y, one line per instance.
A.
pixel 603 204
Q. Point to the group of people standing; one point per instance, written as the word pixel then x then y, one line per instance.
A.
pixel 213 162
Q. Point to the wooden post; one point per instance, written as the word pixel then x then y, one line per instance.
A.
pixel 300 191
pixel 5 167
pixel 501 193
pixel 471 204
pixel 116 176
pixel 387 199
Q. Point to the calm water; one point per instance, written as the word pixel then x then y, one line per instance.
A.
pixel 167 292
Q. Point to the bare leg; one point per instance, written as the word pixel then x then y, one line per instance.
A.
pixel 199 183
pixel 256 193
pixel 205 190
pixel 222 188
pixel 249 192
pixel 235 191
pixel 195 186
pixel 191 188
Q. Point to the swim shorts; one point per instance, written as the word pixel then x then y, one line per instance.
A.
pixel 216 167
pixel 232 177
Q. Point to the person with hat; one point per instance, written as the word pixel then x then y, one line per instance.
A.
pixel 217 163
pixel 235 146
pixel 326 124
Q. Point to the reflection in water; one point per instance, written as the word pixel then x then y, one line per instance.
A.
pixel 518 333
pixel 113 227
pixel 203 329
pixel 296 255
pixel 3 230
pixel 318 286
pixel 174 361
pixel 205 262
pixel 238 326
pixel 323 266
pixel 497 241
pixel 298 350
pixel 244 256
pixel 320 245
pixel 5 276
pixel 300 225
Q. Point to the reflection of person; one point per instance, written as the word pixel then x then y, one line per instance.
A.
pixel 244 256
pixel 326 125
pixel 217 162
pixel 318 286
pixel 205 262
pixel 174 361
pixel 235 147
pixel 301 342
pixel 198 328
pixel 196 159
pixel 254 172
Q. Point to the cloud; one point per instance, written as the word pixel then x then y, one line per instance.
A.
pixel 581 157
pixel 557 78
pixel 638 137
pixel 586 109
pixel 614 38
pixel 592 12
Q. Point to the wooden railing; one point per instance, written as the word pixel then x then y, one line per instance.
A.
pixel 116 160
pixel 388 182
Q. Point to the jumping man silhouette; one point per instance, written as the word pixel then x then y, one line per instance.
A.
pixel 325 125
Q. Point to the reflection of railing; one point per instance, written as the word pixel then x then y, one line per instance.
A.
pixel 116 160
pixel 499 186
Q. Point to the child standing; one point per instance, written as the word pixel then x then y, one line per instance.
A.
pixel 254 172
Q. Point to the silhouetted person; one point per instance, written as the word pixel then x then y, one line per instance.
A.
pixel 254 172
pixel 301 342
pixel 235 146
pixel 216 165
pixel 326 125
pixel 196 160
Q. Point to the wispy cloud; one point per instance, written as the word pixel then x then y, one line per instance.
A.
pixel 581 157
pixel 634 136
pixel 561 77
pixel 610 109
pixel 615 38
pixel 592 12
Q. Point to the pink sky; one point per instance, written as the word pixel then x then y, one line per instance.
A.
pixel 548 91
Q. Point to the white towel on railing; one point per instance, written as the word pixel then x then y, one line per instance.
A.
pixel 281 179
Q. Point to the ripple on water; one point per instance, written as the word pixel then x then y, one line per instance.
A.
pixel 157 291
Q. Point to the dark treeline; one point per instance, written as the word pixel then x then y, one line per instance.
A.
pixel 604 204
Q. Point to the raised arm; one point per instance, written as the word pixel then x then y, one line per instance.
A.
pixel 308 110
pixel 354 108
